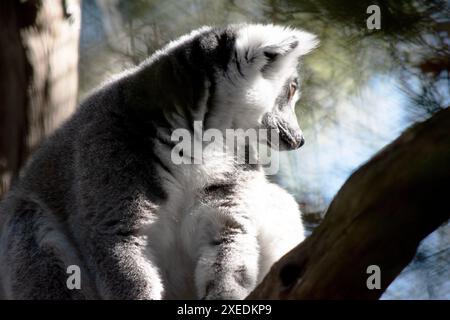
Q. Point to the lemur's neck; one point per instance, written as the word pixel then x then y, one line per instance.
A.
pixel 166 95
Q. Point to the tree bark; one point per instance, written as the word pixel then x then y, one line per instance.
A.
pixel 378 217
pixel 39 77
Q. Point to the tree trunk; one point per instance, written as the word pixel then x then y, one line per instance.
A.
pixel 39 78
pixel 378 217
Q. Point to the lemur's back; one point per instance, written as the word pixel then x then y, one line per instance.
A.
pixel 37 214
pixel 50 174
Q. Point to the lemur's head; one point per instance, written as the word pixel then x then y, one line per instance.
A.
pixel 241 77
pixel 266 82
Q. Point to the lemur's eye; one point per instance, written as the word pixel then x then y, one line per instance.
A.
pixel 292 89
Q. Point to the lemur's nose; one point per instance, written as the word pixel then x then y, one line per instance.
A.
pixel 301 142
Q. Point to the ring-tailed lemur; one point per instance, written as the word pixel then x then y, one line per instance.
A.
pixel 102 192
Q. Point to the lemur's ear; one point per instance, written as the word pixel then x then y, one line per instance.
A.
pixel 260 46
pixel 283 48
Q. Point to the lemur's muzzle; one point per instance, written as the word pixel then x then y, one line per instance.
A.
pixel 289 134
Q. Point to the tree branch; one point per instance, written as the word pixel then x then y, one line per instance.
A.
pixel 378 217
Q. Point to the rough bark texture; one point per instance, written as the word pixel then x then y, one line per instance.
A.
pixel 378 217
pixel 38 76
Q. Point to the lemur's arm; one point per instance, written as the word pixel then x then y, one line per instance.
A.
pixel 113 207
pixel 228 253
